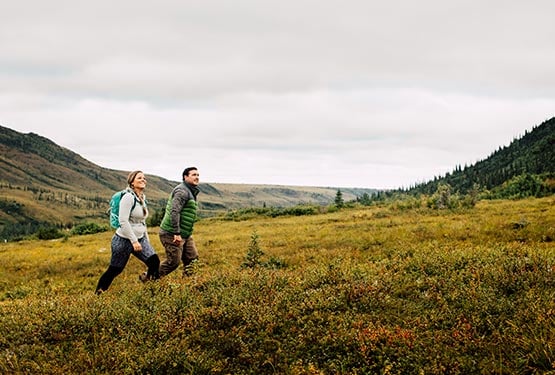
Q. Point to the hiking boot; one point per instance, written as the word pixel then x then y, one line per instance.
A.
pixel 143 277
pixel 191 268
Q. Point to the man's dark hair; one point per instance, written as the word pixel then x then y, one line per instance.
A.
pixel 187 170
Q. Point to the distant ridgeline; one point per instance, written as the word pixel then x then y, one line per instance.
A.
pixel 524 168
pixel 45 185
pixel 45 188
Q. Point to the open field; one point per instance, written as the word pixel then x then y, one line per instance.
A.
pixel 381 289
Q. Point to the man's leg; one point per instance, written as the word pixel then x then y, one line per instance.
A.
pixel 190 254
pixel 173 254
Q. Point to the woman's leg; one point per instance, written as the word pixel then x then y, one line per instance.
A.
pixel 153 264
pixel 121 250
pixel 149 257
pixel 106 279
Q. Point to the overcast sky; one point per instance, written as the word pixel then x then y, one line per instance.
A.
pixel 375 94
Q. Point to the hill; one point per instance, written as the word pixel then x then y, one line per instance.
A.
pixel 42 182
pixel 533 154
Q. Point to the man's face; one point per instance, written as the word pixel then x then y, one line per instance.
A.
pixel 192 178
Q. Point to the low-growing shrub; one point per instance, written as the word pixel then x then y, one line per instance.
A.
pixel 49 233
pixel 88 228
pixel 373 291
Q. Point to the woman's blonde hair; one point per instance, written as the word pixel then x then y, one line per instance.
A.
pixel 131 177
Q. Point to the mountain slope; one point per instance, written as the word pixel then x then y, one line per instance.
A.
pixel 533 153
pixel 32 160
pixel 43 182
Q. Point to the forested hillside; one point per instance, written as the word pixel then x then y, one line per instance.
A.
pixel 527 163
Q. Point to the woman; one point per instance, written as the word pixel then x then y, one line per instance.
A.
pixel 131 237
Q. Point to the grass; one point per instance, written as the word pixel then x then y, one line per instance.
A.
pixel 379 289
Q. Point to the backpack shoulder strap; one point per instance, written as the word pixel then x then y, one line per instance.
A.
pixel 135 200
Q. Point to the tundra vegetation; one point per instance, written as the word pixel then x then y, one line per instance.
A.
pixel 399 287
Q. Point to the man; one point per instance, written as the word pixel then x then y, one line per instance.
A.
pixel 177 224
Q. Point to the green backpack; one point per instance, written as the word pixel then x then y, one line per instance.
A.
pixel 114 207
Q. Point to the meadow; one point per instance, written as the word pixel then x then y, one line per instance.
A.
pixel 384 289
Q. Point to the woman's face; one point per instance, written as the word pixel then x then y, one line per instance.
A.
pixel 140 181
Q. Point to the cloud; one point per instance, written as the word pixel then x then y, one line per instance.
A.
pixel 356 93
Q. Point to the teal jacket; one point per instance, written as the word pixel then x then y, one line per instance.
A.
pixel 181 211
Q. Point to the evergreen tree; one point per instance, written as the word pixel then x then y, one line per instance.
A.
pixel 339 199
pixel 254 253
pixel 365 199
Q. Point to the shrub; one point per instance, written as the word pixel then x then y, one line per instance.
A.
pixel 49 233
pixel 88 228
pixel 522 186
pixel 253 212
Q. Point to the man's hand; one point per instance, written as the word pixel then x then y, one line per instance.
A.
pixel 177 239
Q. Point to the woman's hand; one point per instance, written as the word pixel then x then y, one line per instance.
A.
pixel 137 246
